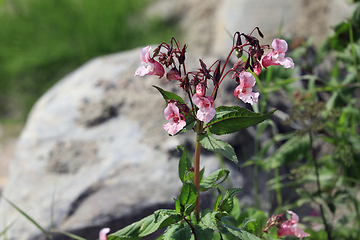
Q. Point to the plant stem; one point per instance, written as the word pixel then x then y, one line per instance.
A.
pixel 198 129
pixel 327 227
pixel 256 171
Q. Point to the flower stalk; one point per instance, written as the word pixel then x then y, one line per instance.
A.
pixel 198 128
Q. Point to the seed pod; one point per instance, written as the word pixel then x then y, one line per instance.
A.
pixel 239 53
pixel 259 32
pixel 206 72
pixel 217 76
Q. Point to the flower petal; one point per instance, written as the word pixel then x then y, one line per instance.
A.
pixel 299 232
pixel 294 217
pixel 145 54
pixel 141 71
pixel 280 45
pixel 285 229
pixel 287 62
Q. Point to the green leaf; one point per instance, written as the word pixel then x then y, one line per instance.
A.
pixel 208 219
pixel 189 208
pixel 213 179
pixel 218 200
pixel 202 171
pixel 184 163
pixel 251 213
pixel 232 119
pixel 237 232
pixel 170 230
pixel 228 219
pixel 159 214
pixel 189 177
pixel 183 233
pixel 218 146
pixel 228 202
pixel 188 194
pixel 177 232
pixel 190 124
pixel 145 226
pixel 178 206
pixel 203 233
pixel 236 211
pixel 253 226
pixel 169 95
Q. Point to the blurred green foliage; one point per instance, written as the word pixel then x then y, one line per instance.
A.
pixel 43 40
pixel 321 142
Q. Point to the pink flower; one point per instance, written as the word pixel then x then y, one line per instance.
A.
pixel 103 232
pixel 150 66
pixel 176 120
pixel 290 227
pixel 206 110
pixel 277 55
pixel 244 90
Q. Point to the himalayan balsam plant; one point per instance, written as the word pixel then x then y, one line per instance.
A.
pixel 187 221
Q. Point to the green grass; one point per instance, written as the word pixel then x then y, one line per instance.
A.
pixel 43 40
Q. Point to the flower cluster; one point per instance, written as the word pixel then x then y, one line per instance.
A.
pixel 195 83
pixel 286 227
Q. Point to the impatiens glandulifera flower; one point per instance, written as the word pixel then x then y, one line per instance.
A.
pixel 290 227
pixel 176 120
pixel 244 90
pixel 150 66
pixel 277 55
pixel 206 110
pixel 103 232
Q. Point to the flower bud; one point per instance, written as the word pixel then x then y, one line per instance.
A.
pixel 257 68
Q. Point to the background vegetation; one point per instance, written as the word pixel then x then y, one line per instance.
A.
pixel 43 40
